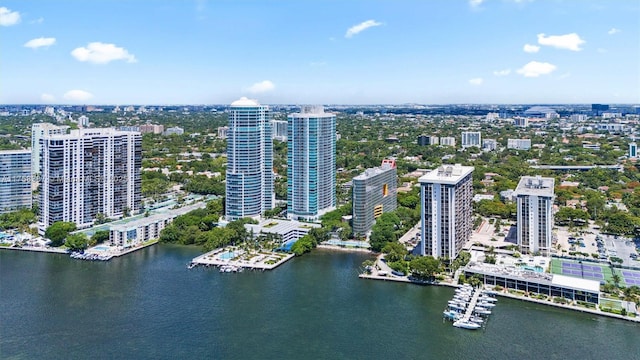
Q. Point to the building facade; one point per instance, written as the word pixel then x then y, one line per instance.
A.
pixel 446 213
pixel 311 164
pixel 534 196
pixel 447 141
pixel 249 187
pixel 280 129
pixel 15 180
pixel 471 138
pixel 489 144
pixel 38 131
pixel 374 193
pixel 87 172
pixel 519 144
pixel 633 150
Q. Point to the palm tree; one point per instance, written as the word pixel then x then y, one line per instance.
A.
pixel 616 280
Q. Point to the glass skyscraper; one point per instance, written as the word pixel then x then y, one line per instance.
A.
pixel 249 161
pixel 311 163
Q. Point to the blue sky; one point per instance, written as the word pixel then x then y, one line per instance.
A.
pixel 330 52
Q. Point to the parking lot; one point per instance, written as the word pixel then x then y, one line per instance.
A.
pixel 622 248
pixel 580 241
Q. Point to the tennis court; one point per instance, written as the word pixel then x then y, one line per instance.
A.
pixel 590 271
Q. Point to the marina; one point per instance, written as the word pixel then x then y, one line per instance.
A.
pixel 469 307
pixel 231 259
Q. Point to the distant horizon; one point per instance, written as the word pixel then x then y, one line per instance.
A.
pixel 327 104
pixel 320 52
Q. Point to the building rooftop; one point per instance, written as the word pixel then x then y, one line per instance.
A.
pixel 446 174
pixel 11 152
pixel 244 102
pixel 535 185
pixel 541 278
pixel 369 173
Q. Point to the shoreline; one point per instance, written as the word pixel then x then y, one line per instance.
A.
pixel 343 248
pixel 67 252
pixel 507 295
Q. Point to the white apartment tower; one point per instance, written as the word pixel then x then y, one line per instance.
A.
pixel 15 180
pixel 535 218
pixel 446 213
pixel 89 171
pixel 38 131
pixel 471 138
pixel 249 161
pixel 311 163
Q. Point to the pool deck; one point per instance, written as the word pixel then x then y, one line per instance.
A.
pixel 211 258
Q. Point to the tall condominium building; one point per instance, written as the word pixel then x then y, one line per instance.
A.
pixel 311 163
pixel 633 150
pixel 280 128
pixel 424 140
pixel 471 138
pixel 489 144
pixel 89 171
pixel 521 122
pixel 374 193
pixel 15 180
pixel 447 141
pixel 38 131
pixel 446 214
pixel 222 132
pixel 249 161
pixel 535 218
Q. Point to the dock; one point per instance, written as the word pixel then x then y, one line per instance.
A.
pixel 472 305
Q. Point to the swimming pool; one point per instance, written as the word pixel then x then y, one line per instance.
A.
pixel 101 248
pixel 532 268
pixel 227 255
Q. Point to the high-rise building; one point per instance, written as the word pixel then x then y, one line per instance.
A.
pixel 151 128
pixel 521 122
pixel 633 150
pixel 38 131
pixel 519 144
pixel 311 163
pixel 87 172
pixel 471 138
pixel 423 140
pixel 446 212
pixel 374 193
pixel 15 180
pixel 489 144
pixel 249 161
pixel 535 218
pixel 223 132
pixel 279 128
pixel 447 141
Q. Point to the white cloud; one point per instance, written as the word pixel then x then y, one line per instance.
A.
pixel 8 17
pixel 504 72
pixel 101 53
pixel 77 95
pixel 356 29
pixel 475 3
pixel 531 48
pixel 535 69
pixel 40 42
pixel 47 98
pixel 476 81
pixel 569 41
pixel 613 31
pixel 261 87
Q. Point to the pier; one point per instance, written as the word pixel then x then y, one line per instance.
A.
pixel 472 305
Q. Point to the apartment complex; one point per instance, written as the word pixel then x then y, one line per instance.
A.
pixel 38 131
pixel 249 188
pixel 374 193
pixel 446 214
pixel 151 128
pixel 447 141
pixel 15 180
pixel 519 144
pixel 280 129
pixel 311 163
pixel 633 150
pixel 534 196
pixel 89 171
pixel 471 138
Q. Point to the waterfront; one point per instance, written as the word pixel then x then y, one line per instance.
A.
pixel 149 305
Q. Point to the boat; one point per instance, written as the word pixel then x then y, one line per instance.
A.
pixel 455 306
pixel 476 320
pixel 451 315
pixel 466 325
pixel 486 304
pixel 487 299
pixel 482 311
pixel 191 265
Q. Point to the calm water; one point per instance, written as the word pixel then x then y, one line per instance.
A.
pixel 148 305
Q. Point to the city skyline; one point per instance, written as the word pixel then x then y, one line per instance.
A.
pixel 493 51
